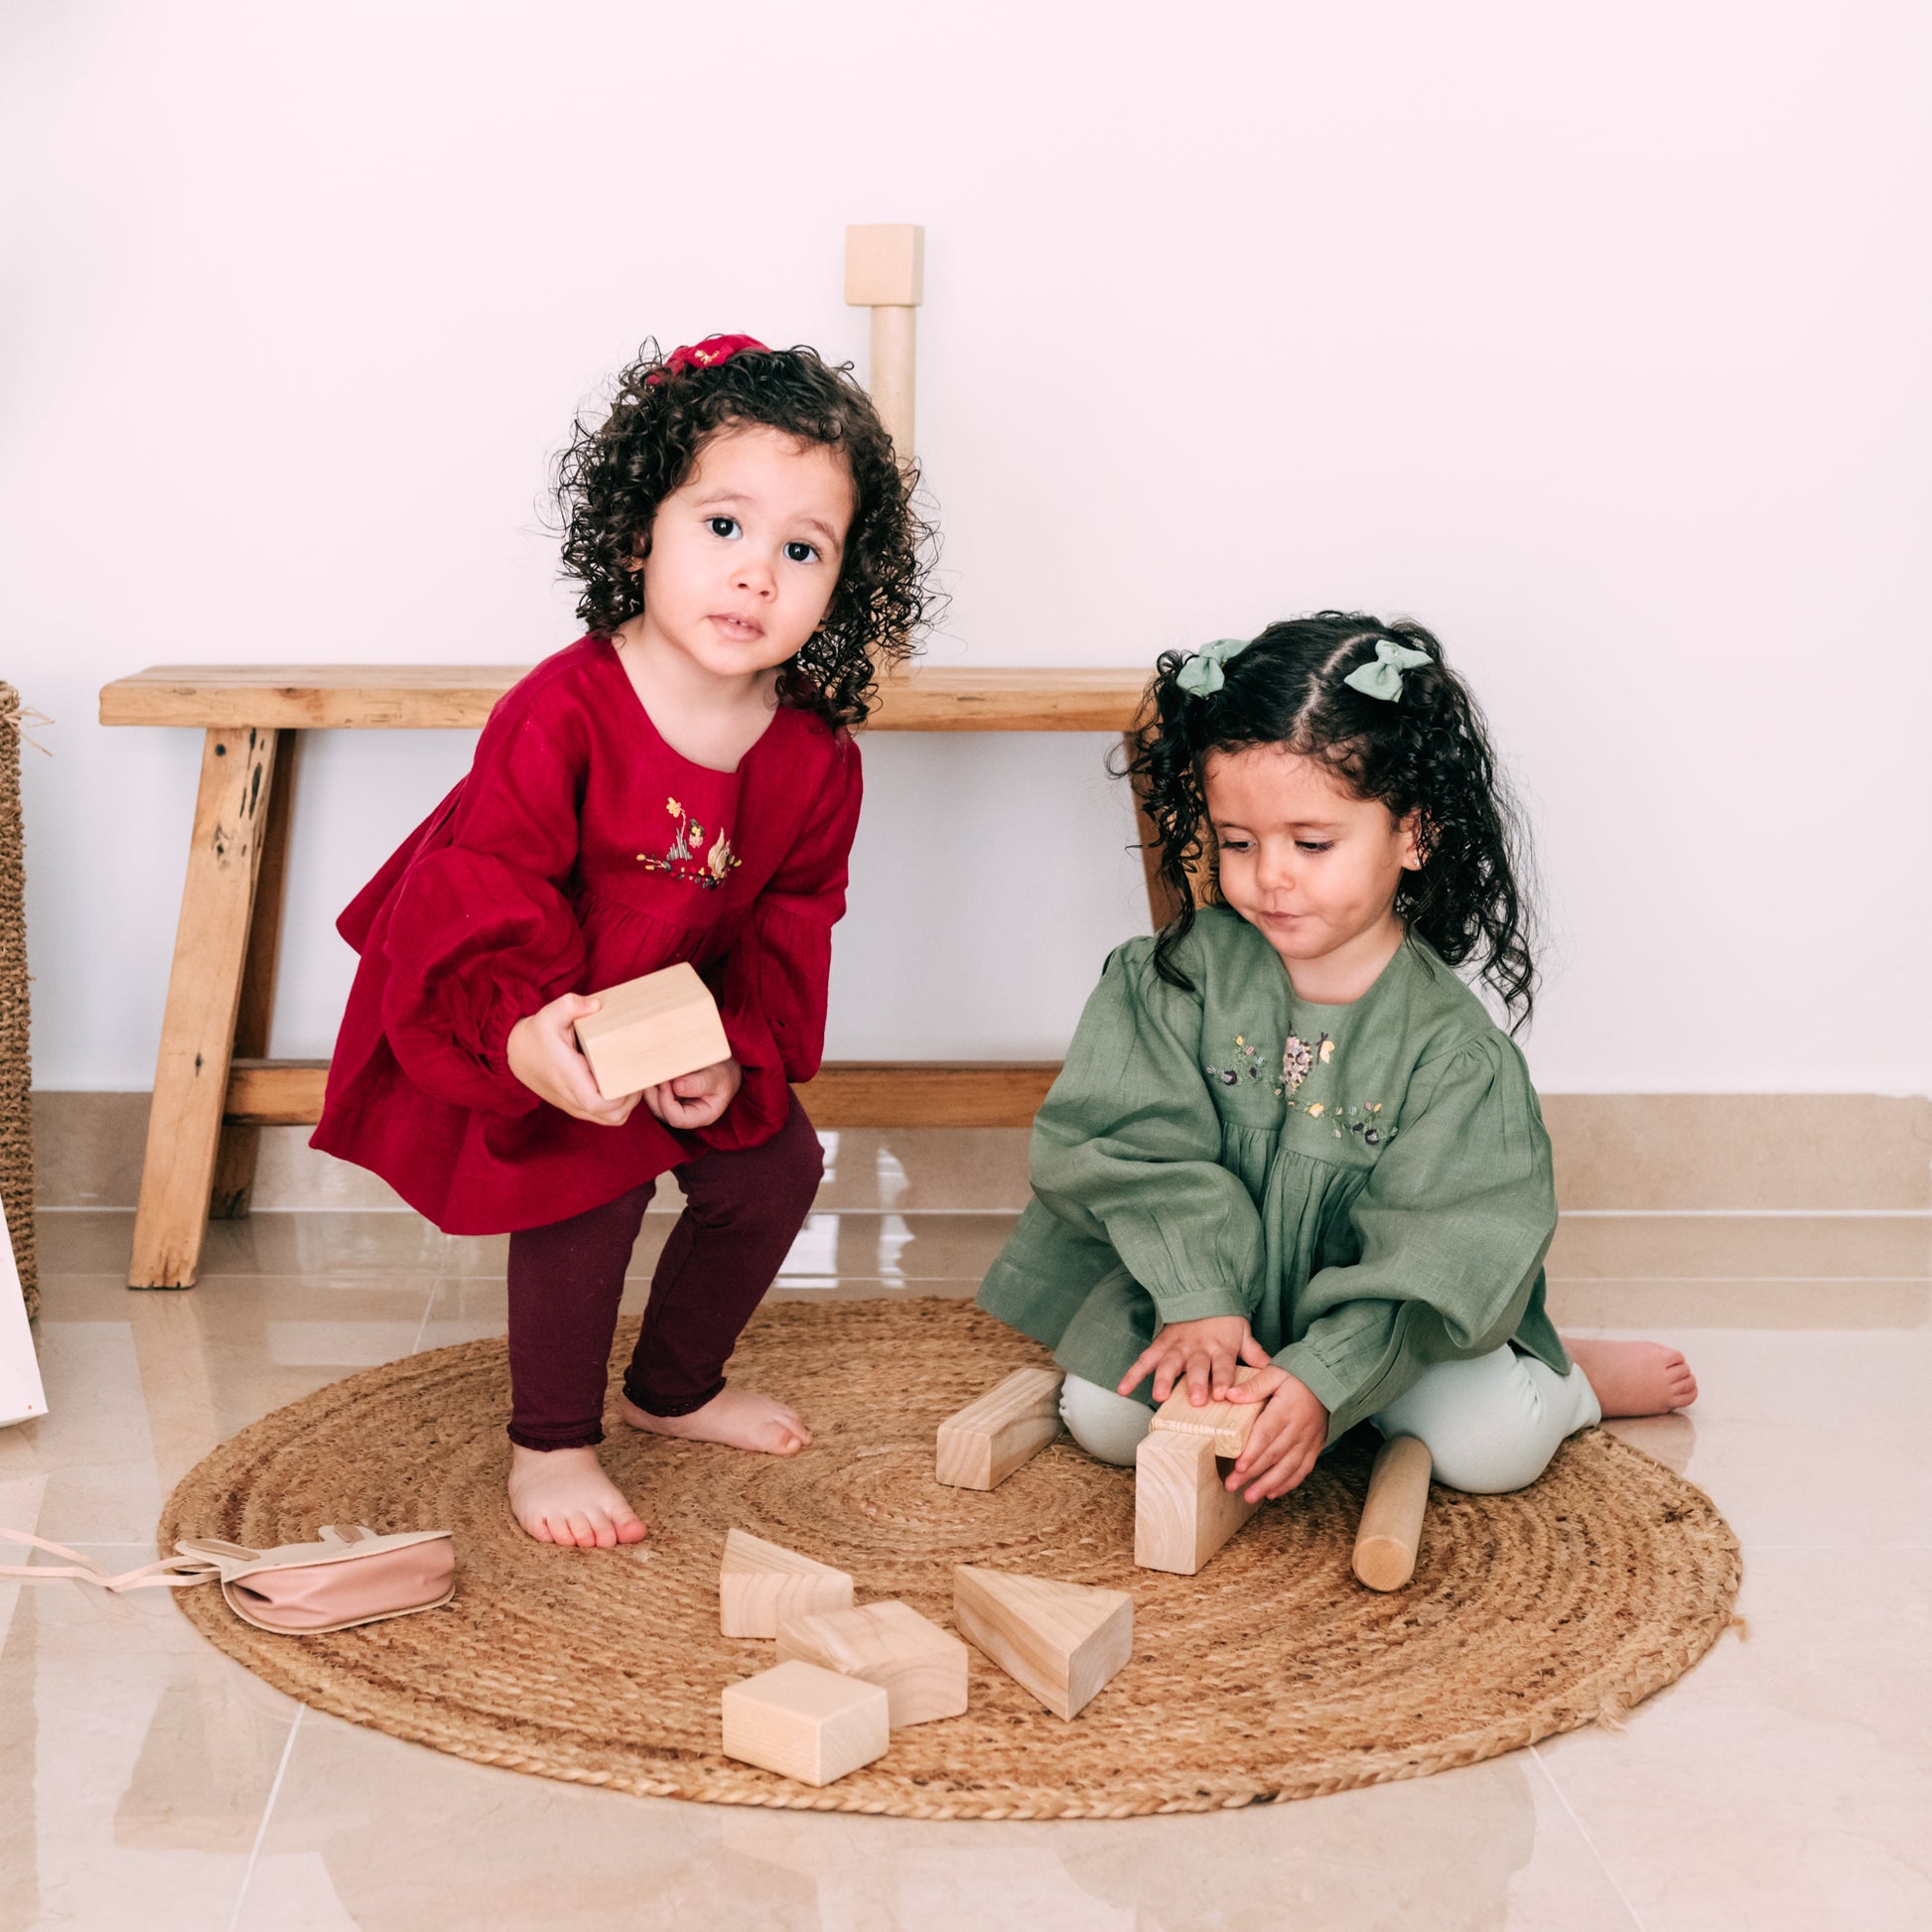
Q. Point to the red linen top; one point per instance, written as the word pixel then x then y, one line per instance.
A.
pixel 580 850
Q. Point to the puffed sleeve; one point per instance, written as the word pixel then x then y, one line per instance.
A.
pixel 481 935
pixel 772 991
pixel 1453 1223
pixel 1126 1147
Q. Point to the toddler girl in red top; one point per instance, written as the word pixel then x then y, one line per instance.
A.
pixel 678 784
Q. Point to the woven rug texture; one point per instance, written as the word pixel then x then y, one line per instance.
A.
pixel 15 1067
pixel 1272 1674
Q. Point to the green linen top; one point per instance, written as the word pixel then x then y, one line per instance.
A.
pixel 1368 1184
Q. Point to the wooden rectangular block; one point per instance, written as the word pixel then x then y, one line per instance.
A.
pixel 761 1585
pixel 1181 1512
pixel 652 1030
pixel 885 265
pixel 921 1667
pixel 804 1722
pixel 980 1445
pixel 1229 1422
pixel 1062 1641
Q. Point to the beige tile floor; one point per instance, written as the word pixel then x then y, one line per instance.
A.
pixel 1786 1782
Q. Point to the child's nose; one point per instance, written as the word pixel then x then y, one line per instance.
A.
pixel 754 573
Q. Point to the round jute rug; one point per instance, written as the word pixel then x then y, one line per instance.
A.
pixel 1271 1675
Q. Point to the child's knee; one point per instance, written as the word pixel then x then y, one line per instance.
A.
pixel 1490 1424
pixel 1108 1426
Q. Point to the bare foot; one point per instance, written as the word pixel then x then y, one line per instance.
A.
pixel 563 1496
pixel 738 1417
pixel 1635 1378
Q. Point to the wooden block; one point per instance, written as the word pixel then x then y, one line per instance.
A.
pixel 980 1445
pixel 1062 1641
pixel 652 1030
pixel 1183 1513
pixel 1392 1517
pixel 885 265
pixel 921 1667
pixel 1229 1422
pixel 804 1722
pixel 761 1585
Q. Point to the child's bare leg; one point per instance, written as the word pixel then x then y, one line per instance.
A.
pixel 563 1496
pixel 739 1416
pixel 1635 1378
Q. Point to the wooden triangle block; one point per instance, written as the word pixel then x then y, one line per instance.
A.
pixel 1229 1423
pixel 1062 1641
pixel 760 1584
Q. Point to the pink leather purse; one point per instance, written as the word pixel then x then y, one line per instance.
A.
pixel 349 1576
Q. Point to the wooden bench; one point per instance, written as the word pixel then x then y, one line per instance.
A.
pixel 214 1087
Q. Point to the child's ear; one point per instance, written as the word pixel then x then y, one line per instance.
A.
pixel 1412 835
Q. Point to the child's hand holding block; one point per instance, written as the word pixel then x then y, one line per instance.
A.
pixel 804 1722
pixel 649 1031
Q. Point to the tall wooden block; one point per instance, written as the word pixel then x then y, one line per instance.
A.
pixel 804 1722
pixel 921 1667
pixel 1062 1641
pixel 761 1585
pixel 1181 1512
pixel 1229 1422
pixel 649 1031
pixel 980 1445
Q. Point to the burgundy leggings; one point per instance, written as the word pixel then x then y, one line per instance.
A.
pixel 741 1212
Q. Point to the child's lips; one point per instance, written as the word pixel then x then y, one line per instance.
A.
pixel 737 627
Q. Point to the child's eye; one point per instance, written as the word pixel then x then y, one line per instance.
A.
pixel 1314 845
pixel 801 553
pixel 723 527
pixel 1234 845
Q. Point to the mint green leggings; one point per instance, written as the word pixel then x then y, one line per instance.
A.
pixel 1490 1424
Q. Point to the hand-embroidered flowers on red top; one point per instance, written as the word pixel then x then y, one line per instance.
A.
pixel 686 857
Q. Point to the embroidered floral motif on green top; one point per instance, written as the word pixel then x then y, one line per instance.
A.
pixel 1299 1059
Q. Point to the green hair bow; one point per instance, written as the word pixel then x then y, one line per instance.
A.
pixel 1383 678
pixel 1201 675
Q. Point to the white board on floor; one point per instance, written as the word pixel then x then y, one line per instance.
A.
pixel 21 1395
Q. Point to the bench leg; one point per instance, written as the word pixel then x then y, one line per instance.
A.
pixel 234 1161
pixel 191 1078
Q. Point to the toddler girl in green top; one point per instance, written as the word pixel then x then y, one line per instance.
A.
pixel 1287 1134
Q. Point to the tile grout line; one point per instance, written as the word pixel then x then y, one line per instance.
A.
pixel 1603 1864
pixel 429 1308
pixel 261 1830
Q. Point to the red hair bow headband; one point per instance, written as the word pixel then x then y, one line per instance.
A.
pixel 706 354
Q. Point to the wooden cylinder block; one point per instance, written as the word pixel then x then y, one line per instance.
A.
pixel 1391 1528
pixel 893 332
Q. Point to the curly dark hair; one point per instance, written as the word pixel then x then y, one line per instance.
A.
pixel 1427 753
pixel 616 472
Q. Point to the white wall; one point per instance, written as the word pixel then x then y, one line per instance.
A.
pixel 1594 338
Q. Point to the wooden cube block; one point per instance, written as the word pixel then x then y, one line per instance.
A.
pixel 980 1445
pixel 804 1722
pixel 1181 1512
pixel 1062 1641
pixel 921 1667
pixel 1229 1422
pixel 652 1030
pixel 885 265
pixel 760 1584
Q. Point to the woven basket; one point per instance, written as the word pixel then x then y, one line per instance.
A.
pixel 16 1070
